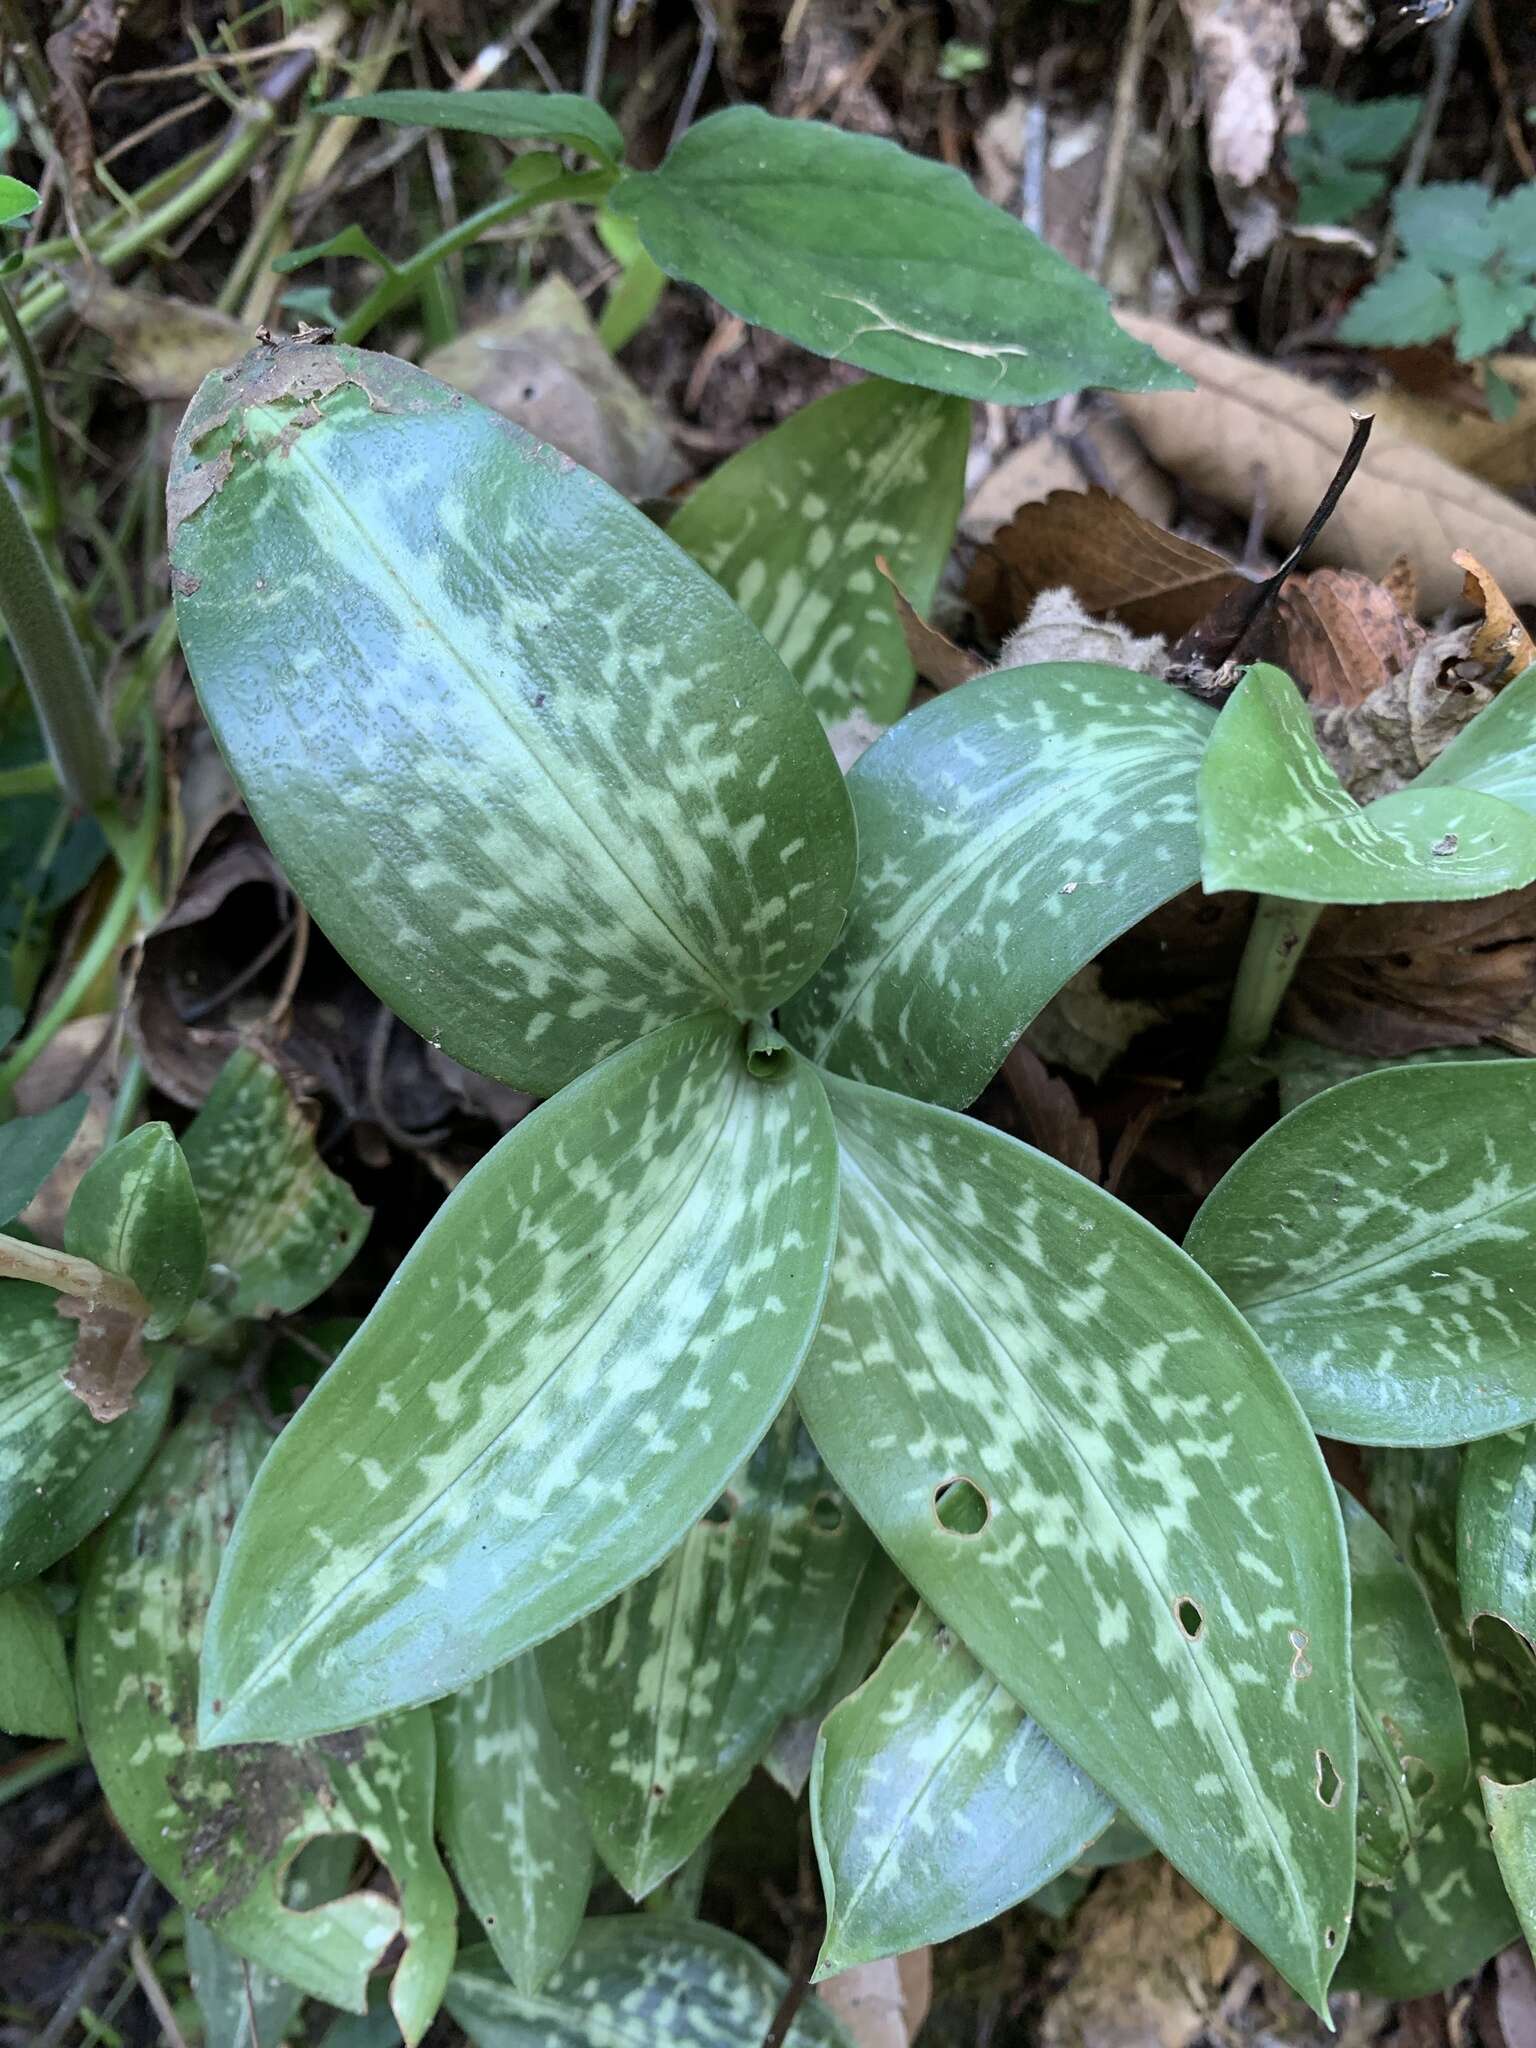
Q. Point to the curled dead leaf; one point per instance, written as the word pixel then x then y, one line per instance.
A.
pixel 1246 52
pixel 1344 636
pixel 1386 739
pixel 1049 1114
pixel 109 1361
pixel 163 347
pixel 77 56
pixel 882 2004
pixel 934 655
pixel 1500 641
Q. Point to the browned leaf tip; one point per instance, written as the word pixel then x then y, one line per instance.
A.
pixel 109 1361
pixel 935 657
pixel 1500 642
pixel 77 56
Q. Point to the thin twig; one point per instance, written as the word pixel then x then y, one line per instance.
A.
pixel 1488 36
pixel 1447 35
pixel 101 1965
pixel 789 2005
pixel 709 37
pixel 154 1991
pixel 596 65
pixel 1122 122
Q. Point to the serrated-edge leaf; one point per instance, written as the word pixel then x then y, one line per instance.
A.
pixel 1007 832
pixel 1410 305
pixel 1496 1531
pixel 30 1148
pixel 1161 1578
pixel 568 117
pixel 594 1330
pixel 136 1213
pixel 1378 1239
pixel 37 1696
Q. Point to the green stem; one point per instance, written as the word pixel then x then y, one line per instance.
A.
pixel 42 425
pixel 1276 941
pixel 127 1102
pixel 141 678
pixel 38 779
pixel 68 708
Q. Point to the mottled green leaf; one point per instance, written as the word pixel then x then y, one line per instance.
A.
pixel 136 1213
pixel 1511 1813
pixel 567 794
pixel 61 1471
pixel 511 1819
pixel 220 1828
pixel 374 2029
pixel 1007 832
pixel 645 1981
pixel 937 1802
pixel 30 1148
pixel 1414 1764
pixel 1496 1530
pixel 1448 1910
pixel 1160 1579
pixel 277 1218
pixel 230 1990
pixel 1276 819
pixel 669 1696
pixel 863 1633
pixel 593 1331
pixel 36 1695
pixel 1379 1240
pixel 1495 752
pixel 567 117
pixel 792 525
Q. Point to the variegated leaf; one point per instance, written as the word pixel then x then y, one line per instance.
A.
pixel 667 1697
pixel 644 1981
pixel 1379 1240
pixel 1448 1910
pixel 592 1333
pixel 61 1472
pixel 1496 751
pixel 232 1993
pixel 937 1802
pixel 1496 1530
pixel 1007 832
pixel 136 1213
pixel 277 1218
pixel 37 1696
pixel 30 1148
pixel 1276 819
pixel 1160 1577
pixel 566 793
pixel 791 527
pixel 220 1829
pixel 863 1633
pixel 1512 1826
pixel 511 1819
pixel 1414 1764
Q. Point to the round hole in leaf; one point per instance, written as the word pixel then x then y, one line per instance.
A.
pixel 1419 1779
pixel 1190 1616
pixel 960 1506
pixel 324 1869
pixel 1329 1783
pixel 723 1510
pixel 827 1513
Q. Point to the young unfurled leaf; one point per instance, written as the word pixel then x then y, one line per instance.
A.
pixel 136 1213
pixel 36 1695
pixel 220 1829
pixel 857 250
pixel 1378 1239
pixel 1007 832
pixel 592 1333
pixel 669 1696
pixel 1414 1765
pixel 937 1802
pixel 61 1472
pixel 567 117
pixel 1496 1531
pixel 1512 1826
pixel 1160 1578
pixel 567 793
pixel 30 1148
pixel 1275 818
pixel 1496 751
pixel 646 1981
pixel 511 1820
pixel 276 1217
pixel 792 525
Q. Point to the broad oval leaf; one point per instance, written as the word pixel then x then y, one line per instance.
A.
pixel 511 1819
pixel 1276 819
pixel 1511 1813
pixel 1007 832
pixel 1379 1240
pixel 30 1148
pixel 61 1471
pixel 644 1981
pixel 1496 1531
pixel 792 526
pixel 1160 1578
pixel 1414 1763
pixel 136 1213
pixel 568 117
pixel 220 1830
pixel 1494 752
pixel 565 793
pixel 37 1696
pixel 592 1333
pixel 857 250
pixel 937 1802
pixel 667 1697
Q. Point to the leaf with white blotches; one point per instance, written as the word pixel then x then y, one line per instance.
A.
pixel 1496 1531
pixel 37 1696
pixel 135 1213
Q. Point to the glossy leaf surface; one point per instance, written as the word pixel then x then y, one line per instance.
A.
pixel 136 1213
pixel 857 250
pixel 511 1819
pixel 644 1981
pixel 1160 1579
pixel 1496 751
pixel 30 1148
pixel 791 527
pixel 1496 1531
pixel 1007 832
pixel 1512 1825
pixel 61 1472
pixel 37 1696
pixel 593 1331
pixel 1275 818
pixel 567 794
pixel 667 1697
pixel 1414 1763
pixel 568 117
pixel 937 1802
pixel 1379 1240
pixel 219 1829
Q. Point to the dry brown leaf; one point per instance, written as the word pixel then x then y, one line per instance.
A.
pixel 77 56
pixel 1501 452
pixel 882 2004
pixel 1401 583
pixel 1247 52
pixel 1392 735
pixel 1344 635
pixel 1403 499
pixel 1500 642
pixel 934 655
pixel 1103 450
pixel 1116 562
pixel 1049 1112
pixel 109 1361
pixel 1086 1030
pixel 163 347
pixel 1058 629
